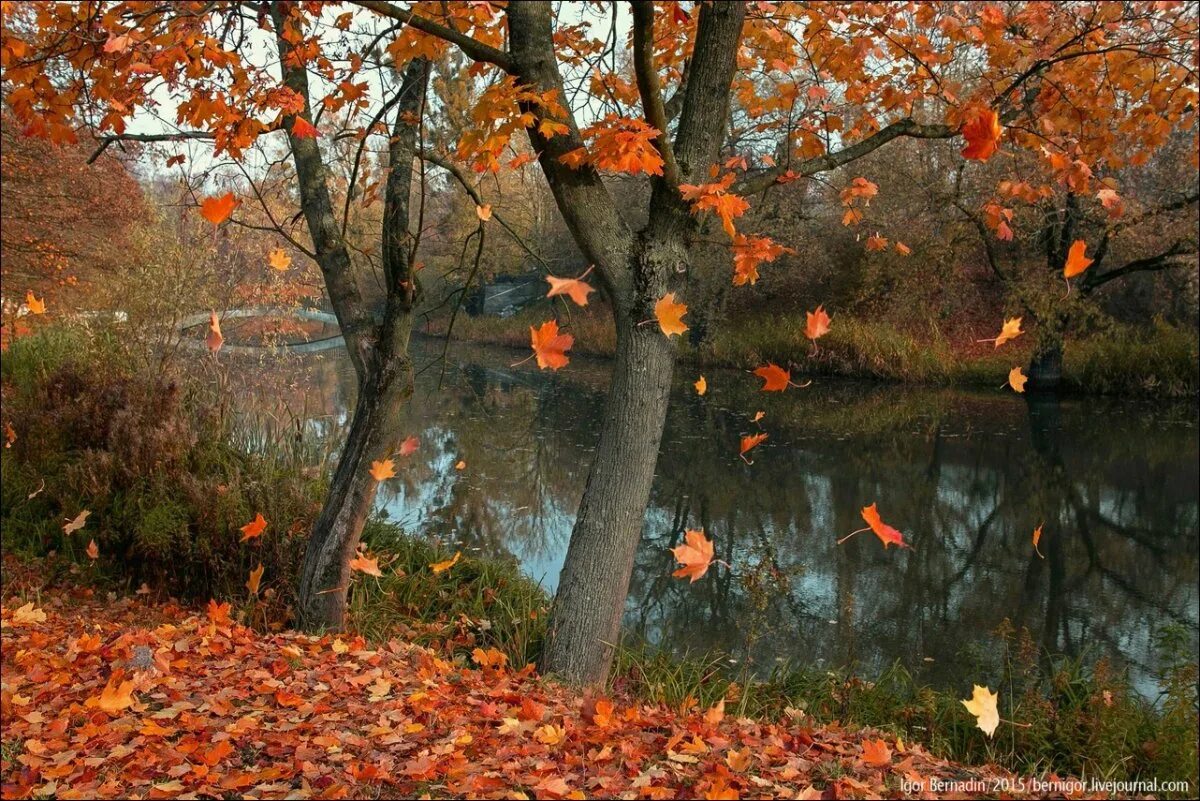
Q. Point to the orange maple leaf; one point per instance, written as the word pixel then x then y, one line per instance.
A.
pixel 876 242
pixel 669 314
pixel 365 564
pixel 816 324
pixel 1017 379
pixel 383 469
pixel 442 567
pixel 1037 538
pixel 1076 261
pixel 701 386
pixel 254 528
pixel 217 209
pixel 484 212
pixel 93 550
pixel 409 446
pixel 255 577
pixel 775 378
pixel 279 260
pixel 117 695
pixel 1010 330
pixel 696 555
pixel 549 346
pixel 303 129
pixel 982 132
pixel 749 442
pixel 34 305
pixel 886 534
pixel 876 753
pixel 213 339
pixel 577 289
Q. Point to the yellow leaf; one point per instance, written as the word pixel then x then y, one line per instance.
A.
pixel 982 705
pixel 255 577
pixel 279 260
pixel 669 314
pixel 383 469
pixel 701 386
pixel 364 564
pixel 1010 330
pixel 117 694
pixel 35 305
pixel 71 526
pixel 28 614
pixel 1017 379
pixel 442 567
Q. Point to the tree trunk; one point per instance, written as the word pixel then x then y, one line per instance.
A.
pixel 1045 366
pixel 586 621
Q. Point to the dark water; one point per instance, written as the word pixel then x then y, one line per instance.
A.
pixel 965 476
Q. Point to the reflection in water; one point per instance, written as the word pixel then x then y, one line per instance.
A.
pixel 966 477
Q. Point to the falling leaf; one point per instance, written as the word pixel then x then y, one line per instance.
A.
pixel 442 567
pixel 254 528
pixel 365 564
pixel 217 209
pixel 1037 538
pixel 461 464
pixel 28 614
pixel 484 212
pixel 383 469
pixel 93 550
pixel 816 324
pixel 1076 261
pixel 886 534
pixel 876 753
pixel 71 526
pixel 749 443
pixel 575 288
pixel 303 129
pixel 1017 379
pixel 696 554
pixel 903 249
pixel 409 446
pixel 1010 330
pixel 775 378
pixel 117 694
pixel 701 386
pixel 715 713
pixel 983 134
pixel 983 706
pixel 549 346
pixel 739 761
pixel 255 577
pixel 1111 202
pixel 278 259
pixel 10 436
pixel 34 305
pixel 213 339
pixel 758 416
pixel 669 314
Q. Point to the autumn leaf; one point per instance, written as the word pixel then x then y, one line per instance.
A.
pixel 442 567
pixel 701 386
pixel 1037 538
pixel 365 564
pixel 255 577
pixel 749 443
pixel 903 249
pixel 1017 379
pixel 461 464
pixel 739 761
pixel 409 446
pixel 775 378
pixel 10 436
pixel 279 260
pixel 491 658
pixel 34 305
pixel 79 521
pixel 214 340
pixel 28 614
pixel 575 288
pixel 93 550
pixel 816 324
pixel 217 209
pixel 696 555
pixel 886 534
pixel 669 314
pixel 876 753
pixel 1111 202
pixel 1076 261
pixel 254 528
pixel 484 212
pixel 383 469
pixel 982 132
pixel 549 346
pixel 303 129
pixel 982 705
pixel 117 695
pixel 1010 330
pixel 875 242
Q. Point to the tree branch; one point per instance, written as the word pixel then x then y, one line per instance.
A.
pixel 164 137
pixel 649 88
pixel 472 47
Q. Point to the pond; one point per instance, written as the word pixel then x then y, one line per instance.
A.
pixel 966 476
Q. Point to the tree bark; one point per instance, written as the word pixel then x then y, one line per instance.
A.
pixel 1046 364
pixel 379 353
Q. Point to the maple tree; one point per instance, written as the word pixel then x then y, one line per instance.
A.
pixel 715 105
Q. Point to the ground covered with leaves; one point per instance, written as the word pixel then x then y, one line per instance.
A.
pixel 108 697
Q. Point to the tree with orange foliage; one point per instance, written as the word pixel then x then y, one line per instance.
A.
pixel 713 103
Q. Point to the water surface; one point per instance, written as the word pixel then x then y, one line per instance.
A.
pixel 966 476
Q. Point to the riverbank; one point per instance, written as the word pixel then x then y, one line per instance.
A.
pixel 1160 361
pixel 168 482
pixel 121 698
